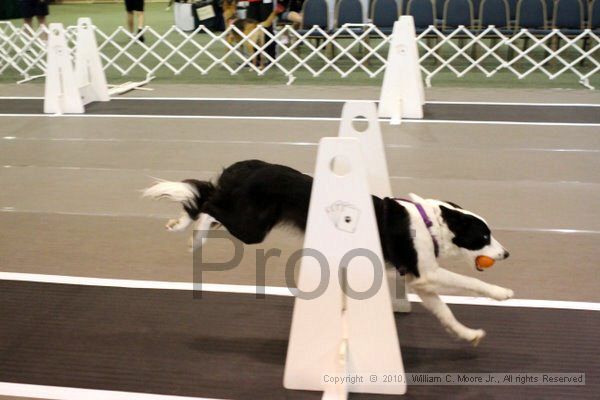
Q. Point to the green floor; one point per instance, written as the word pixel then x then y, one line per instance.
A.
pixel 111 16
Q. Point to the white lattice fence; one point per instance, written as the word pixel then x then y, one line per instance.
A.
pixel 22 49
pixel 491 51
pixel 356 49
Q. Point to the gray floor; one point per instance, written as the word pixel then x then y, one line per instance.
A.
pixel 71 204
pixel 233 346
pixel 336 92
pixel 74 190
pixel 312 109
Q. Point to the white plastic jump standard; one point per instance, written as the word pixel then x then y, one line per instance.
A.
pixel 61 93
pixel 402 92
pixel 68 89
pixel 373 150
pixel 88 67
pixel 335 334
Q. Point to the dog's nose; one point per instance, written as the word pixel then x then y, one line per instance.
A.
pixel 506 254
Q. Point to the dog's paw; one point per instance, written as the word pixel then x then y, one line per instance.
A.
pixel 475 336
pixel 174 225
pixel 500 293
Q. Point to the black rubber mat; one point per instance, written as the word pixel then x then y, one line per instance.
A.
pixel 233 346
pixel 305 109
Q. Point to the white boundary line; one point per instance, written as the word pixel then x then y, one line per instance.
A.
pixel 212 174
pixel 510 103
pixel 21 97
pixel 267 118
pixel 152 172
pixel 279 99
pixel 271 143
pixel 14 210
pixel 70 393
pixel 276 291
pixel 307 100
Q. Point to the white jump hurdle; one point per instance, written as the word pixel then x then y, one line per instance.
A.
pixel 69 88
pixel 89 73
pixel 61 93
pixel 402 93
pixel 338 333
pixel 373 150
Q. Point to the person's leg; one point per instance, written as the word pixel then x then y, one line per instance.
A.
pixel 140 20
pixel 42 24
pixel 140 25
pixel 41 11
pixel 28 12
pixel 130 21
pixel 29 22
pixel 265 11
pixel 129 7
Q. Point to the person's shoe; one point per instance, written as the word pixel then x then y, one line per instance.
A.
pixel 140 37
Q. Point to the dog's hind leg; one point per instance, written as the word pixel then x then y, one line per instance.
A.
pixel 445 279
pixel 204 223
pixel 179 224
pixel 437 307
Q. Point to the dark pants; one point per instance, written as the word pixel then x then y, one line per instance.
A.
pixel 34 8
pixel 134 5
pixel 260 12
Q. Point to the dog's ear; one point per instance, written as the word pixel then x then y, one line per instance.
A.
pixel 416 198
pixel 454 219
pixel 449 213
pixel 453 204
pixel 470 232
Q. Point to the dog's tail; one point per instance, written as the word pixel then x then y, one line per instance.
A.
pixel 191 193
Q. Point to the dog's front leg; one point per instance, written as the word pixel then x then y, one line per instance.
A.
pixel 437 307
pixel 450 280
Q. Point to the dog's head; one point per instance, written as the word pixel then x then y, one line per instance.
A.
pixel 464 232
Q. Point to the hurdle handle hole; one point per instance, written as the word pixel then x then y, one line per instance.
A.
pixel 360 124
pixel 340 165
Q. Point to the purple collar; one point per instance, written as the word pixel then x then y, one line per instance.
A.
pixel 426 220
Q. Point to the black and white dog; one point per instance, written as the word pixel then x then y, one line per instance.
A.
pixel 251 197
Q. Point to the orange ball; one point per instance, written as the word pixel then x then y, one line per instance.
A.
pixel 484 261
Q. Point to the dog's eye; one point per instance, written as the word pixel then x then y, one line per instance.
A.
pixel 486 237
